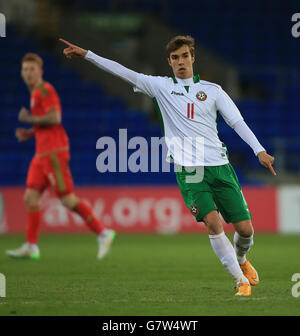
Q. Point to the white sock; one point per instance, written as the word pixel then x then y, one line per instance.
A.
pixel 34 248
pixel 225 252
pixel 241 246
pixel 103 234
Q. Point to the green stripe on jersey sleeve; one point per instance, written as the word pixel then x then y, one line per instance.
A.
pixel 159 115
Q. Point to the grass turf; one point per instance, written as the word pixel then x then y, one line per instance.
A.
pixel 145 275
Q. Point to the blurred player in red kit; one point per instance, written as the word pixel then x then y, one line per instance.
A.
pixel 50 165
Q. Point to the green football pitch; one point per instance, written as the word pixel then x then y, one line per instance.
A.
pixel 146 275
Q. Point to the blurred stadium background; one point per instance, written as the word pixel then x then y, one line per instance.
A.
pixel 247 47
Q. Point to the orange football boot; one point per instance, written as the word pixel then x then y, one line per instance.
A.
pixel 244 289
pixel 250 272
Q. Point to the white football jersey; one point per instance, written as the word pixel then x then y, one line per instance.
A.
pixel 188 110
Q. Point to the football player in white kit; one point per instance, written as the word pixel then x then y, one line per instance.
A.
pixel 188 108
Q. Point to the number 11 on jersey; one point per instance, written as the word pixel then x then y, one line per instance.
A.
pixel 190 110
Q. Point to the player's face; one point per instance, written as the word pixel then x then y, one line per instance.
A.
pixel 31 73
pixel 182 62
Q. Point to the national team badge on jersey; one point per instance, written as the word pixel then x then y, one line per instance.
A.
pixel 194 209
pixel 201 95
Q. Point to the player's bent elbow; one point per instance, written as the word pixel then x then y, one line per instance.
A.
pixel 55 118
pixel 57 121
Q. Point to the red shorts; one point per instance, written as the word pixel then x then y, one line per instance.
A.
pixel 51 171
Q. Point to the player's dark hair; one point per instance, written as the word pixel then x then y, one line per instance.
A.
pixel 180 40
pixel 31 57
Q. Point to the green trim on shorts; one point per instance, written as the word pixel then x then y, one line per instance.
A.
pixel 58 173
pixel 219 190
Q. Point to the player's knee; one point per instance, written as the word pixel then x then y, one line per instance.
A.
pixel 27 199
pixel 213 223
pixel 214 228
pixel 245 228
pixel 31 198
pixel 70 201
pixel 66 202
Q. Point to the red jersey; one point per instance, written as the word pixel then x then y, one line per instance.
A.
pixel 48 138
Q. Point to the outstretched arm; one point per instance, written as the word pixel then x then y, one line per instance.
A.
pixel 233 118
pixel 73 51
pixel 248 136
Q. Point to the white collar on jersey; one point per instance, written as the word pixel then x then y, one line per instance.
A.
pixel 187 81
